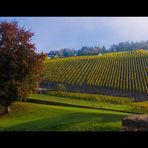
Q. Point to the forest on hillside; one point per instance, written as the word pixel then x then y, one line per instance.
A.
pixel 95 50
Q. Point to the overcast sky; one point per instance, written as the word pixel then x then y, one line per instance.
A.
pixel 75 32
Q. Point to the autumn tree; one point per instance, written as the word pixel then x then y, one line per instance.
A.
pixel 20 66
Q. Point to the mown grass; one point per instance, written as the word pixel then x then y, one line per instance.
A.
pixel 109 102
pixel 75 101
pixel 36 117
pixel 105 102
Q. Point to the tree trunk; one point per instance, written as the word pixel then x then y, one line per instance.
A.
pixel 23 99
pixel 5 110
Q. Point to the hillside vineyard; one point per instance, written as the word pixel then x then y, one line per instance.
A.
pixel 125 71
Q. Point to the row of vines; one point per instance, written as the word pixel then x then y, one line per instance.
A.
pixel 127 71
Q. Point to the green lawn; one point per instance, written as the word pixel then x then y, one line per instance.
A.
pixel 37 117
pixel 73 101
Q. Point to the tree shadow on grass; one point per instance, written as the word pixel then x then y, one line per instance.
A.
pixel 91 122
pixel 70 121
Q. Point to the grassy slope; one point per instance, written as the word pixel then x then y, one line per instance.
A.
pixel 35 117
pixel 126 106
pixel 81 102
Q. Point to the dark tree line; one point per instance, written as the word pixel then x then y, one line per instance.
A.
pixel 85 50
pixel 91 50
pixel 66 52
pixel 128 46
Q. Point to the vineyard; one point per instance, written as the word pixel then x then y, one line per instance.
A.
pixel 124 71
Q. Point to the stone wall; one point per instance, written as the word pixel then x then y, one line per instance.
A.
pixel 135 123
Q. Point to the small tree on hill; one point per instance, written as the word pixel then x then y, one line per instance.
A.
pixel 20 65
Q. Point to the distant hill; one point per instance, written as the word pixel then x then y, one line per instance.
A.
pixel 119 71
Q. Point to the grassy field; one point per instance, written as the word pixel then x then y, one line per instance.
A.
pixel 104 102
pixel 81 102
pixel 41 117
pixel 36 117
